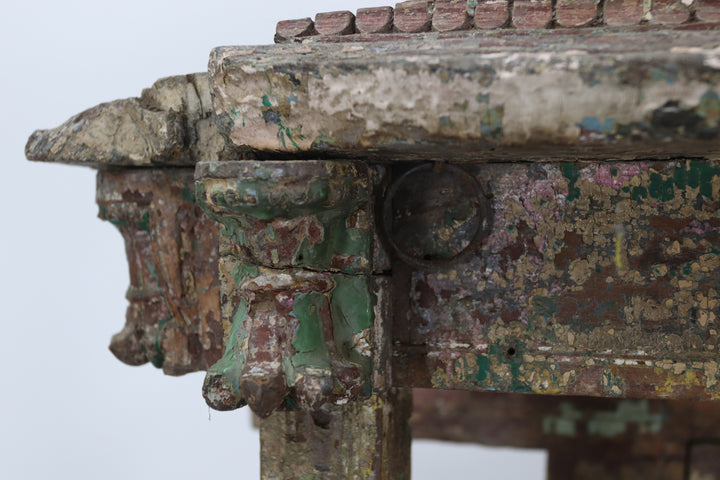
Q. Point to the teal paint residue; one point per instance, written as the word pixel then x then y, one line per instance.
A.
pixel 639 193
pixel 144 222
pixel 483 366
pixel 482 98
pixel 152 268
pixel 612 385
pixel 337 238
pixel 260 197
pixel 491 122
pixel 352 305
pixel 517 385
pixel 309 343
pixel 700 175
pixel 446 121
pixel 158 357
pixel 231 364
pixel 571 172
pixel 545 306
pixel 591 124
pixel 118 222
pixel 188 195
pixel 695 174
pixel 487 377
pixel 242 272
pixel 273 115
pixel 234 114
pixel 661 188
pixel 471 4
pixel 667 73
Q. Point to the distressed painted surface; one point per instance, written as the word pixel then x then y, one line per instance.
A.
pixel 586 438
pixel 597 96
pixel 315 215
pixel 298 298
pixel 367 439
pixel 596 279
pixel 173 316
pixel 170 124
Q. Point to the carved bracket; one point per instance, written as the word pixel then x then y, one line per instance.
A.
pixel 172 319
pixel 299 285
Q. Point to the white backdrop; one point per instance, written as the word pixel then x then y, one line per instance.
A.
pixel 68 408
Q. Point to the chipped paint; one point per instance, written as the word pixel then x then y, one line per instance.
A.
pixel 306 330
pixel 575 305
pixel 397 97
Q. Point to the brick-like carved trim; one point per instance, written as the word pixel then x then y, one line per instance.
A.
pixel 420 16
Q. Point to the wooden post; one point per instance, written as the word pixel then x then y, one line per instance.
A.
pixel 305 307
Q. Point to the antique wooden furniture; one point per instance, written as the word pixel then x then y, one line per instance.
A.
pixel 460 202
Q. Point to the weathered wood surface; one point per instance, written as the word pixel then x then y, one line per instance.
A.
pixel 458 16
pixel 170 124
pixel 586 438
pixel 374 20
pixel 173 317
pixel 582 95
pixel 414 16
pixel 289 30
pixel 595 279
pixel 367 439
pixel 302 298
pixel 451 15
pixel 586 266
pixel 335 23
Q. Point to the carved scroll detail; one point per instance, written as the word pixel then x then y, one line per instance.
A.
pixel 299 294
pixel 173 312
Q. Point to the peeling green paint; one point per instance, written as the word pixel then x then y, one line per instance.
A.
pixel 231 364
pixel 570 171
pixel 612 385
pixel 351 305
pixel 309 343
pixel 694 174
pixel 544 306
pixel 607 127
pixel 144 222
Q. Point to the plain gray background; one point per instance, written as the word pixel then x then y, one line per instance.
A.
pixel 70 410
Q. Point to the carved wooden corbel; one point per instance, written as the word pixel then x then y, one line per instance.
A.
pixel 172 318
pixel 299 281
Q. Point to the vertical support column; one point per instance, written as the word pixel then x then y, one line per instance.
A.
pixel 366 439
pixel 305 310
